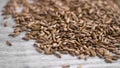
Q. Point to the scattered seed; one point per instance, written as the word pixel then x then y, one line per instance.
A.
pixel 76 27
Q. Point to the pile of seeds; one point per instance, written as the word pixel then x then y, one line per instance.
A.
pixel 75 27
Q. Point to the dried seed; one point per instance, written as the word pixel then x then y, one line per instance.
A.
pixel 72 53
pixel 66 66
pixel 48 52
pixel 39 50
pixel 80 66
pixel 30 24
pixel 36 45
pixel 6 24
pixel 6 17
pixel 93 53
pixel 101 51
pixel 12 35
pixel 69 27
pixel 8 43
pixel 116 57
pixel 23 28
pixel 77 53
pixel 80 57
pixel 64 52
pixel 57 55
pixel 16 33
pixel 17 30
pixel 99 55
pixel 108 60
pixel 86 57
pixel 25 38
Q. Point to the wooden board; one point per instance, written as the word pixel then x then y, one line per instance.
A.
pixel 23 55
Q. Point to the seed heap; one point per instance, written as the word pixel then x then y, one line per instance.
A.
pixel 75 27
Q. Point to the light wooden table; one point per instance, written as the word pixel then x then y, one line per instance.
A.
pixel 23 55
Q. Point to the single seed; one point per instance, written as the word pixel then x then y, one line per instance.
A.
pixel 6 17
pixel 39 50
pixel 8 43
pixel 93 53
pixel 6 24
pixel 66 66
pixel 57 55
pixel 79 66
pixel 12 35
pixel 80 57
pixel 108 60
pixel 47 52
pixel 25 38
pixel 64 52
pixel 86 57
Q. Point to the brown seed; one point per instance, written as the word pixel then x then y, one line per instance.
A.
pixel 39 50
pixel 47 51
pixel 69 27
pixel 8 43
pixel 66 66
pixel 64 52
pixel 86 57
pixel 115 57
pixel 57 55
pixel 72 53
pixel 80 57
pixel 6 24
pixel 79 66
pixel 23 28
pixel 77 53
pixel 36 45
pixel 17 30
pixel 99 55
pixel 17 33
pixel 108 60
pixel 6 17
pixel 116 52
pixel 93 53
pixel 118 56
pixel 12 35
pixel 25 38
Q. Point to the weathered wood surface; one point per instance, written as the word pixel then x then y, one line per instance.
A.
pixel 23 55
